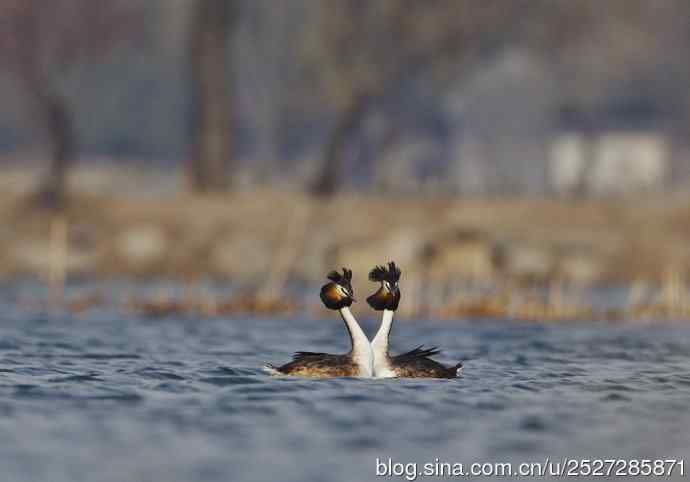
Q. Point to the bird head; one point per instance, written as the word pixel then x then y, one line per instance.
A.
pixel 387 297
pixel 338 293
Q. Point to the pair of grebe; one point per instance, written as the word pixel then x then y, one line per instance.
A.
pixel 366 359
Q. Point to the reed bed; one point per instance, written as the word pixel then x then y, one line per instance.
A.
pixel 522 260
pixel 556 302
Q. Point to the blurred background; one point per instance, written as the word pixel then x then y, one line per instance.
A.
pixel 516 158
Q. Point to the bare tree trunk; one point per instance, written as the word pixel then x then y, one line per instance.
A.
pixel 63 147
pixel 56 119
pixel 327 180
pixel 52 112
pixel 209 59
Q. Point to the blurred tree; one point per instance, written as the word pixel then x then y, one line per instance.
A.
pixel 269 84
pixel 212 22
pixel 361 51
pixel 39 42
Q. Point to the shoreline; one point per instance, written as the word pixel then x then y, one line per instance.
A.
pixel 463 257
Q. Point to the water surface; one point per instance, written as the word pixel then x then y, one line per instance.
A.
pixel 109 397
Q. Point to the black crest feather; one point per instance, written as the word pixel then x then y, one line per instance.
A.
pixel 381 273
pixel 342 279
pixel 377 274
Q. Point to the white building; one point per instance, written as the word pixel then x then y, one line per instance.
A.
pixel 610 163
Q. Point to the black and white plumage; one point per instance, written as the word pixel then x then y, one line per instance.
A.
pixel 387 297
pixel 413 364
pixel 358 362
pixel 338 293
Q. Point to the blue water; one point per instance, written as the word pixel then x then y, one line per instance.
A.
pixel 112 397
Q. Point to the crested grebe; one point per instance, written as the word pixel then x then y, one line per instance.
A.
pixel 359 362
pixel 413 364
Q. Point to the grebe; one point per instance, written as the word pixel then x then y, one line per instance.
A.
pixel 413 364
pixel 359 362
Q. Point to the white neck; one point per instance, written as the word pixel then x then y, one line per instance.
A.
pixel 379 346
pixel 361 348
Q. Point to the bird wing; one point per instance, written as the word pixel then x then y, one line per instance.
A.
pixel 418 352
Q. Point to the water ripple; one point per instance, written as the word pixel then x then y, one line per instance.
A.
pixel 176 399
